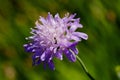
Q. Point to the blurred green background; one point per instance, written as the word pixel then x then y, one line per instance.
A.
pixel 100 53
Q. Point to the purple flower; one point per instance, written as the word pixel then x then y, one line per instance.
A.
pixel 53 37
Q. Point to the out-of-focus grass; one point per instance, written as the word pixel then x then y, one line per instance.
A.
pixel 100 53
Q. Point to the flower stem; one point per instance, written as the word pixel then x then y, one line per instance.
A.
pixel 84 67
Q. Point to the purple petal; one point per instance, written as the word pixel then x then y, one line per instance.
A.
pixel 36 59
pixel 73 47
pixel 57 18
pixel 70 55
pixel 59 55
pixel 51 65
pixel 74 26
pixel 50 19
pixel 42 19
pixel 72 16
pixel 42 57
pixel 36 56
pixel 81 35
pixel 75 38
pixel 46 56
pixel 29 47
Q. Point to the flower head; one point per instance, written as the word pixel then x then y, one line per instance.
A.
pixel 53 37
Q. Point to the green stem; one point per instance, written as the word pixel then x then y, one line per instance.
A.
pixel 84 67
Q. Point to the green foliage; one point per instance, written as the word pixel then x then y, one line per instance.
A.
pixel 100 53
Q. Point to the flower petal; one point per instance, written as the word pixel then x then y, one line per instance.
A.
pixel 59 55
pixel 75 38
pixel 81 35
pixel 70 55
pixel 51 65
pixel 73 47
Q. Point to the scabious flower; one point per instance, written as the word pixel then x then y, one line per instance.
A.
pixel 53 37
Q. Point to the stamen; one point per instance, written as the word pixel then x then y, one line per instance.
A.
pixel 55 40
